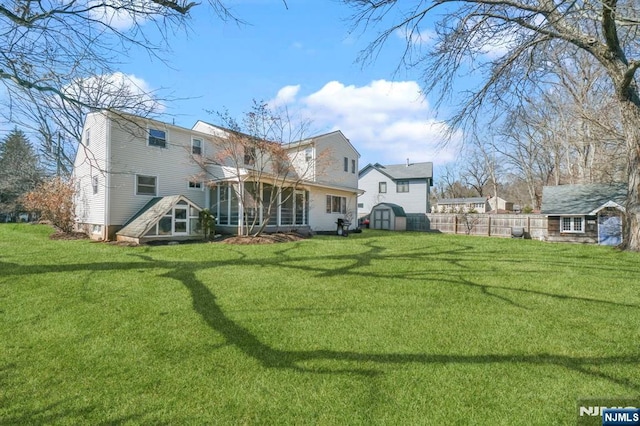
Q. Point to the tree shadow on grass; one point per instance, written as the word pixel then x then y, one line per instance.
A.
pixel 205 304
pixel 353 265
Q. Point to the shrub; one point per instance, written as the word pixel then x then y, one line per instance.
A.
pixel 53 200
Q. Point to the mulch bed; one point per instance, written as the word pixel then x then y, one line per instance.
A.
pixel 59 235
pixel 264 239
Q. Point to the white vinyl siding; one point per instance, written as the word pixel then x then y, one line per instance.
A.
pixel 173 166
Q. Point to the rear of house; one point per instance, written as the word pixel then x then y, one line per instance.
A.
pixel 128 167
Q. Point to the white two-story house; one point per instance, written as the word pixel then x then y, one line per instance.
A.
pixel 141 179
pixel 406 185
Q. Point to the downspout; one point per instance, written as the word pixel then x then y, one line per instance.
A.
pixel 107 179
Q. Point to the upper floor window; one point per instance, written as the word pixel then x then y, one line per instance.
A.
pixel 308 155
pixel 346 164
pixel 157 138
pixel 382 187
pixel 402 186
pixel 94 184
pixel 87 137
pixel 196 146
pixel 146 185
pixel 249 155
pixel 353 166
pixel 572 224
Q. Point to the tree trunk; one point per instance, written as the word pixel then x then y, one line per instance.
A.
pixel 631 123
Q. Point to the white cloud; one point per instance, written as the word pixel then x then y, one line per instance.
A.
pixel 416 36
pixel 286 95
pixel 386 121
pixel 125 92
pixel 122 14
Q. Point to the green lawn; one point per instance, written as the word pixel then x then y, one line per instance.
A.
pixel 376 328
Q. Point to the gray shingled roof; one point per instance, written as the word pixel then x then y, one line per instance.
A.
pixel 402 171
pixel 581 199
pixel 398 211
pixel 150 214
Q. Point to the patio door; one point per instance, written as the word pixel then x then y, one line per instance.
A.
pixel 181 219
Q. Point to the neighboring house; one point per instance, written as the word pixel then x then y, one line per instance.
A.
pixel 475 204
pixel 407 185
pixel 141 177
pixel 591 213
pixel 457 205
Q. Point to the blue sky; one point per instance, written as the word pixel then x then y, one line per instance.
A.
pixel 304 56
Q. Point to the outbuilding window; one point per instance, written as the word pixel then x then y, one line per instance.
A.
pixel 572 224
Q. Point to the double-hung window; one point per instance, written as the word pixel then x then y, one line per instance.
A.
pixel 146 185
pixel 382 187
pixel 353 166
pixel 572 224
pixel 402 186
pixel 196 146
pixel 157 138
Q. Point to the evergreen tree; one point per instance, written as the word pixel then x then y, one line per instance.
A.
pixel 19 170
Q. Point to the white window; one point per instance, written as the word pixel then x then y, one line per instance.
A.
pixel 195 185
pixel 146 185
pixel 360 205
pixel 572 224
pixel 308 154
pixel 336 204
pixel 249 155
pixel 94 184
pixel 157 138
pixel 382 187
pixel 353 166
pixel 196 146
pixel 402 186
pixel 87 137
pixel 346 164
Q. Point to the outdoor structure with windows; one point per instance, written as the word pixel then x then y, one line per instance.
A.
pixel 154 181
pixel 590 213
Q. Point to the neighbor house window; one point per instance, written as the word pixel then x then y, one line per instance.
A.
pixel 572 224
pixel 157 138
pixel 360 205
pixel 346 164
pixel 353 166
pixel 195 185
pixel 308 155
pixel 87 137
pixel 336 204
pixel 402 186
pixel 146 185
pixel 382 187
pixel 94 184
pixel 196 146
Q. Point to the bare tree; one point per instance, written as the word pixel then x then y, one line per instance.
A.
pixel 521 34
pixel 265 160
pixel 59 123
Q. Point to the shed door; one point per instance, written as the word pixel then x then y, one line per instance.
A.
pixel 609 229
pixel 382 219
